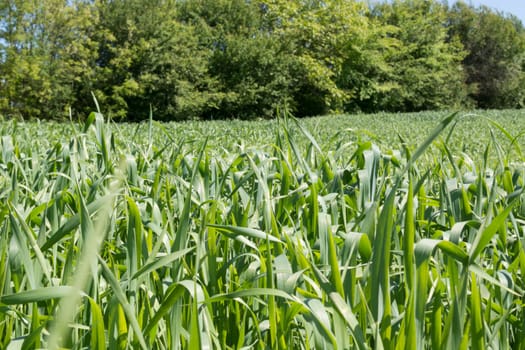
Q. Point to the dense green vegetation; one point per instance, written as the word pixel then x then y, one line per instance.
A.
pixel 210 59
pixel 335 232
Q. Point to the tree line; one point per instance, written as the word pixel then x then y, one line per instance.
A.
pixel 186 59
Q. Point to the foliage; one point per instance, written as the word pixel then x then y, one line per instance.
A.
pixel 253 72
pixel 148 58
pixel 317 34
pixel 495 62
pixel 267 54
pixel 210 59
pixel 46 57
pixel 426 71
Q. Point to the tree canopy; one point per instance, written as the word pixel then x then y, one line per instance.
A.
pixel 207 59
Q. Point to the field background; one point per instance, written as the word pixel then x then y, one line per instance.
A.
pixel 471 133
pixel 377 231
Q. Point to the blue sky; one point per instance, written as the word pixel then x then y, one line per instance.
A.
pixel 516 7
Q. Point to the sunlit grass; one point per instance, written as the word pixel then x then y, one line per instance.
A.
pixel 382 231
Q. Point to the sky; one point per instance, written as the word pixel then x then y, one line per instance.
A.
pixel 516 7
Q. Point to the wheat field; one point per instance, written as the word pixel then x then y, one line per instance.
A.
pixel 339 232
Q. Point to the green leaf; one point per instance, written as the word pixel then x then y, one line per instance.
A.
pixel 165 260
pixel 73 222
pixel 246 231
pixel 35 295
pixel 483 238
pixel 98 337
pixel 476 327
pixel 425 248
pixel 121 296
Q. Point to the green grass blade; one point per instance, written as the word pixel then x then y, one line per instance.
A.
pixel 483 238
pixel 36 295
pixel 72 223
pixel 165 260
pixel 476 328
pixel 98 337
pixel 246 231
pixel 121 296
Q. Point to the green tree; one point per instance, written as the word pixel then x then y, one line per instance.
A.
pixel 149 58
pixel 496 55
pixel 328 42
pixel 252 67
pixel 314 56
pixel 426 68
pixel 46 56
